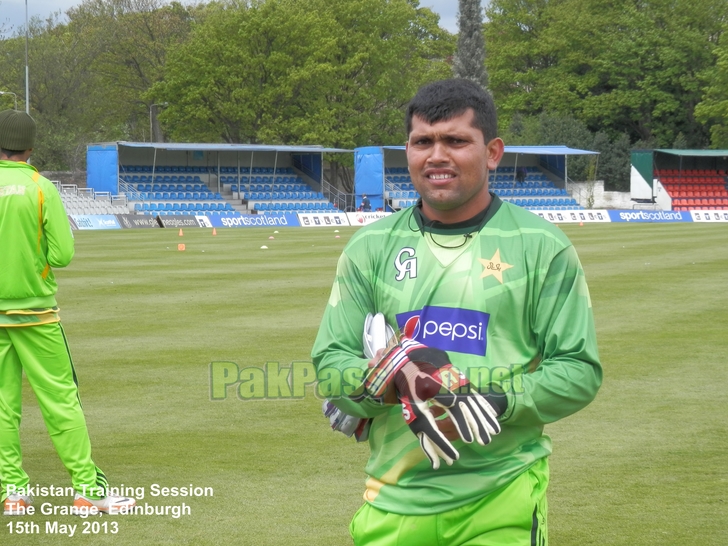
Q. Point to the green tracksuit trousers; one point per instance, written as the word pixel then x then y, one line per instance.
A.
pixel 515 515
pixel 42 353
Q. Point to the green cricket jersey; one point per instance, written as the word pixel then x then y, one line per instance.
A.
pixel 508 301
pixel 34 237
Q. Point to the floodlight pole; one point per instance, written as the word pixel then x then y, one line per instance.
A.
pixel 27 79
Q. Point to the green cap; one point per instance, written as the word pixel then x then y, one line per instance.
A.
pixel 17 131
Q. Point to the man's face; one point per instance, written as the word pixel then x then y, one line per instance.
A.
pixel 449 163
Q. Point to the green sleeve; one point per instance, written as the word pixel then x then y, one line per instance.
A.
pixel 569 373
pixel 56 228
pixel 338 350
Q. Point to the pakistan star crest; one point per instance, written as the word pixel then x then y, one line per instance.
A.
pixel 494 267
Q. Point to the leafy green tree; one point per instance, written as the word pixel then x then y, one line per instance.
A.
pixel 557 129
pixel 306 71
pixel 129 40
pixel 614 163
pixel 514 34
pixel 680 142
pixel 713 109
pixel 62 90
pixel 625 66
pixel 469 62
pixel 88 76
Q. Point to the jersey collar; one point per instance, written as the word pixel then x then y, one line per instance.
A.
pixel 471 225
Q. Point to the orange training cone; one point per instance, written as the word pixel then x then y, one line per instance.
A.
pixel 214 231
pixel 180 232
pixel 181 246
pixel 581 223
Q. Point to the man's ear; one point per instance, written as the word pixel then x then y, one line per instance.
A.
pixel 495 153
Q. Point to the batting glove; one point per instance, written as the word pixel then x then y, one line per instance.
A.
pixel 377 335
pixel 423 375
pixel 346 424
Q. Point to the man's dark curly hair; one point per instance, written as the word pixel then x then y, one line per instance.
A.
pixel 446 99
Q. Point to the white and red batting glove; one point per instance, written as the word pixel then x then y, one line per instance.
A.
pixel 377 335
pixel 422 376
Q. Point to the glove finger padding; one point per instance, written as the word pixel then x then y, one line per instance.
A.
pixel 472 415
pixel 416 384
pixel 422 423
pixel 434 452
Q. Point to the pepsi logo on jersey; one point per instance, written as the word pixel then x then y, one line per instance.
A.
pixel 447 328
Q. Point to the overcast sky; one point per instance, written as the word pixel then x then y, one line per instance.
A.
pixel 12 12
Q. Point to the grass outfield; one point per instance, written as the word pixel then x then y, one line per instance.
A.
pixel 645 464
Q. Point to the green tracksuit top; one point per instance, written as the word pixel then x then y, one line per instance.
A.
pixel 510 305
pixel 35 236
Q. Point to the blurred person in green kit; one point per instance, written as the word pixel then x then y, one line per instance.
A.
pixel 35 236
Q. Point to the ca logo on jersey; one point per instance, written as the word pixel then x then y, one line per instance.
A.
pixel 406 264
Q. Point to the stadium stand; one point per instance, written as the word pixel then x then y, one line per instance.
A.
pixel 86 201
pixel 257 189
pixel 264 189
pixel 695 189
pixel 171 190
pixel 535 192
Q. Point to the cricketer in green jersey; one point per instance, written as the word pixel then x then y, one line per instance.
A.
pixel 35 236
pixel 499 289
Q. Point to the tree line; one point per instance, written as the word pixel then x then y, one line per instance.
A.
pixel 608 76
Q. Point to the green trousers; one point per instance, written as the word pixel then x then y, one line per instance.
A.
pixel 515 515
pixel 42 353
